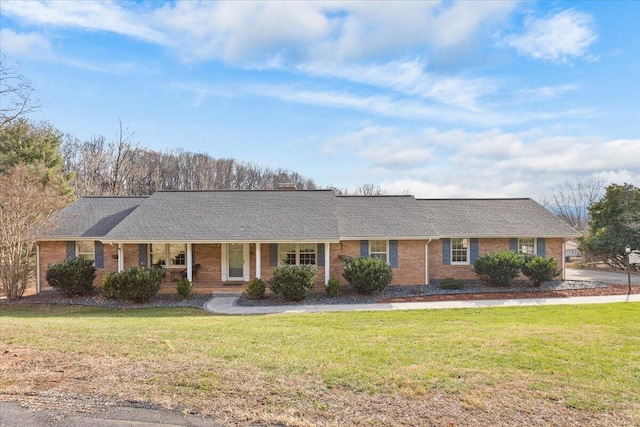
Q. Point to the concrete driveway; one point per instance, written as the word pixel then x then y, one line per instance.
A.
pixel 613 278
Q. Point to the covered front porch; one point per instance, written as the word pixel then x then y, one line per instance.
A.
pixel 219 266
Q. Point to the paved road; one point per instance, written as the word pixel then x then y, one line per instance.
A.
pixel 14 415
pixel 601 276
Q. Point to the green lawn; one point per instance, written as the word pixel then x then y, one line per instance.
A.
pixel 584 359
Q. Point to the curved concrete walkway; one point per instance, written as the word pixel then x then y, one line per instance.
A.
pixel 225 304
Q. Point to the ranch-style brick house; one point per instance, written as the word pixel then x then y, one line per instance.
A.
pixel 223 239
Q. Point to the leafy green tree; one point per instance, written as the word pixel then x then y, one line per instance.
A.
pixel 615 223
pixel 35 145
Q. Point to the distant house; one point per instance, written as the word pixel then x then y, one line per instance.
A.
pixel 571 249
pixel 220 239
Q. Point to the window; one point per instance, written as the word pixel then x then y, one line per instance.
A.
pixel 307 253
pixel 379 249
pixel 167 254
pixel 297 253
pixel 287 254
pixel 85 250
pixel 459 251
pixel 527 246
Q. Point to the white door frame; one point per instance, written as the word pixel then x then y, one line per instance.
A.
pixel 225 263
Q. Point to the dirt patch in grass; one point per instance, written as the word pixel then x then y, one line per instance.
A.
pixel 235 394
pixel 610 290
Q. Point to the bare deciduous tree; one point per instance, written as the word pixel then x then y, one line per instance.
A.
pixel 123 168
pixel 571 200
pixel 25 203
pixel 369 190
pixel 16 94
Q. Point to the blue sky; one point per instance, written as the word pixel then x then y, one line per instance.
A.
pixel 438 99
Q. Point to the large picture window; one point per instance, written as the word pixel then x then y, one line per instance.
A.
pixel 379 249
pixel 527 246
pixel 85 250
pixel 168 254
pixel 297 253
pixel 459 251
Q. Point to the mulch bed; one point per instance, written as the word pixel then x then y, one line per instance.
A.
pixel 610 290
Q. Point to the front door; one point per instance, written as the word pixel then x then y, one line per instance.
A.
pixel 236 261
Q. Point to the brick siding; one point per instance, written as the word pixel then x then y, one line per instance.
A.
pixel 410 270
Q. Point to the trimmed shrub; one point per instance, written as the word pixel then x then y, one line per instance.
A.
pixel 292 282
pixel 332 288
pixel 451 283
pixel 72 277
pixel 367 275
pixel 498 268
pixel 138 284
pixel 256 289
pixel 184 288
pixel 539 270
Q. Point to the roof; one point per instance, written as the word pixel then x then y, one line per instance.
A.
pixel 392 217
pixel 296 216
pixel 89 217
pixel 493 218
pixel 232 216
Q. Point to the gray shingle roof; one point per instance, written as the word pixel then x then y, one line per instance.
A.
pixel 382 217
pixel 281 216
pixel 232 216
pixel 493 218
pixel 89 217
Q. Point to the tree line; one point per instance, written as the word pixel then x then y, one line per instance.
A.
pixel 123 168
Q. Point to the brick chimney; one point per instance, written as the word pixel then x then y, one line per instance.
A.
pixel 287 186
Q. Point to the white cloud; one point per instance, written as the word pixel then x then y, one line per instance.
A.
pixel 87 15
pixel 24 44
pixel 488 164
pixel 409 78
pixel 565 35
pixel 384 148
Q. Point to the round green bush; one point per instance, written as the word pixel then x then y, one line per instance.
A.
pixel 498 268
pixel 138 284
pixel 451 283
pixel 539 270
pixel 332 288
pixel 184 288
pixel 293 282
pixel 367 275
pixel 256 289
pixel 72 277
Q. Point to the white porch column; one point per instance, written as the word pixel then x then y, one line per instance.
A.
pixel 258 261
pixel 189 262
pixel 120 258
pixel 327 263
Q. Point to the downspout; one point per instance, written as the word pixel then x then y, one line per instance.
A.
pixel 426 262
pixel 564 242
pixel 37 268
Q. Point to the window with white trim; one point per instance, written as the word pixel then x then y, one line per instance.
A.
pixel 167 254
pixel 297 253
pixel 86 250
pixel 527 246
pixel 459 251
pixel 379 249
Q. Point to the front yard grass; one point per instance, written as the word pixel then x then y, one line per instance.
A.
pixel 533 365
